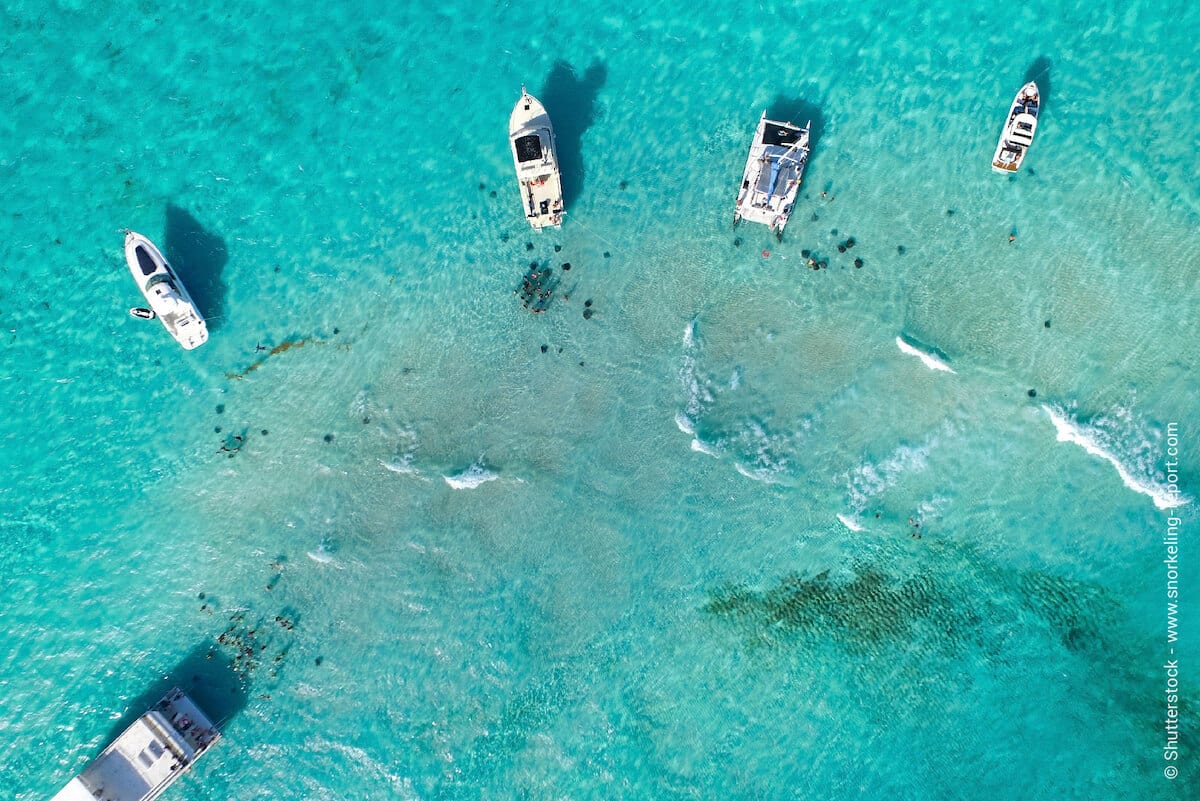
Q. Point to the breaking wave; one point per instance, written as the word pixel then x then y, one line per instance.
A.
pixel 870 479
pixel 404 462
pixel 928 359
pixel 403 465
pixel 321 554
pixel 696 392
pixel 472 477
pixel 850 522
pixel 759 451
pixel 1135 465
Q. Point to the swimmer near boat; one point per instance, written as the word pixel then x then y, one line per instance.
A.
pixel 142 313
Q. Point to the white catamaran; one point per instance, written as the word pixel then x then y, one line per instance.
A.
pixel 536 157
pixel 1018 131
pixel 168 300
pixel 152 753
pixel 773 173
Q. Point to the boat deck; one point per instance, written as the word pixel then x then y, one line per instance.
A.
pixel 143 761
pixel 774 170
pixel 537 173
pixel 536 159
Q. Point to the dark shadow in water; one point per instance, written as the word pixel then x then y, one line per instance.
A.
pixel 198 257
pixel 571 104
pixel 206 674
pixel 798 111
pixel 1039 71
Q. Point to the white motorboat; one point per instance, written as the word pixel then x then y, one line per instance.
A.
pixel 536 158
pixel 1018 131
pixel 146 758
pixel 773 173
pixel 164 292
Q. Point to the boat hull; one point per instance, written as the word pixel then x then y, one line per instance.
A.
pixel 774 171
pixel 164 292
pixel 149 756
pixel 535 156
pixel 1018 132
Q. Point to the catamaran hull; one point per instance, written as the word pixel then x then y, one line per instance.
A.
pixel 774 170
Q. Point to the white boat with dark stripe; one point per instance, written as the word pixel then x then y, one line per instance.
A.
pixel 166 295
pixel 774 169
pixel 152 753
pixel 1018 131
pixel 536 158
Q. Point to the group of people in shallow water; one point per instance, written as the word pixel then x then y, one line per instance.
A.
pixel 538 286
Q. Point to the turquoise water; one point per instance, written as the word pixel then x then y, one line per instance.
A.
pixel 616 568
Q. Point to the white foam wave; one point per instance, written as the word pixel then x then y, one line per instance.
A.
pixel 698 396
pixel 472 477
pixel 928 359
pixel 320 555
pixel 403 465
pixel 770 452
pixel 1069 431
pixel 869 479
pixel 763 474
pixel 404 461
pixel 850 522
pixel 359 405
pixel 700 446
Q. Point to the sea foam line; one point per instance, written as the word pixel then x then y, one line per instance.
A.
pixel 929 360
pixel 1070 432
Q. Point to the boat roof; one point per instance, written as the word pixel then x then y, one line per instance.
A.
pixel 75 790
pixel 529 147
pixel 155 750
pixel 146 756
pixel 1021 130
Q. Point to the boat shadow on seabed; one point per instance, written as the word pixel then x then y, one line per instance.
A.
pixel 798 112
pixel 1039 72
pixel 207 674
pixel 198 257
pixel 571 104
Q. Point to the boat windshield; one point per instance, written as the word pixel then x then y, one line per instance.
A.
pixel 161 278
pixel 529 148
pixel 146 261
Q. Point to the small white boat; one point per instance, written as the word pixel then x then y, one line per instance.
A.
pixel 536 158
pixel 773 173
pixel 168 299
pixel 1018 131
pixel 152 753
